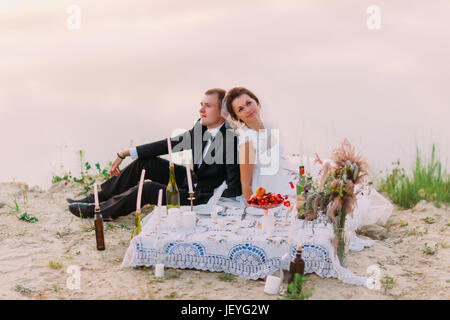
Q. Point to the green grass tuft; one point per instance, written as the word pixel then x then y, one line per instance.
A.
pixel 427 181
pixel 227 277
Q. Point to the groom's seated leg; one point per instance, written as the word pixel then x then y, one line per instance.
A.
pixel 125 203
pixel 156 169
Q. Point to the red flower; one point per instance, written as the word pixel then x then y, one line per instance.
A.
pixel 302 171
pixel 287 203
pixel 292 185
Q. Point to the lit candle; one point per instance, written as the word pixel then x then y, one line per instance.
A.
pixel 139 197
pixel 169 146
pixel 188 173
pixel 96 196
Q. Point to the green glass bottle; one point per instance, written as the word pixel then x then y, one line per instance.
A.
pixel 301 179
pixel 172 194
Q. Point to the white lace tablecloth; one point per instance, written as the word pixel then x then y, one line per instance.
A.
pixel 239 247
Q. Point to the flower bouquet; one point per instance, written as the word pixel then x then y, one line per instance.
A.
pixel 335 193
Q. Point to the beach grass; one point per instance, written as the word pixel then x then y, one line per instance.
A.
pixel 427 181
pixel 87 179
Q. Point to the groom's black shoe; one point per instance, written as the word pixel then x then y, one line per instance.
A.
pixel 82 210
pixel 88 199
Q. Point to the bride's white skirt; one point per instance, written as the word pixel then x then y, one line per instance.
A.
pixel 371 207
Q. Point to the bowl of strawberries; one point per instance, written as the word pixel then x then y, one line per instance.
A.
pixel 266 200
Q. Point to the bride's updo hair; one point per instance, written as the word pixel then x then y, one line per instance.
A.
pixel 234 93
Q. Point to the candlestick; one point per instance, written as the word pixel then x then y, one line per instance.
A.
pixel 191 198
pixel 189 178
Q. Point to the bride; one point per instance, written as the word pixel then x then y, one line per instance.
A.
pixel 260 154
pixel 262 162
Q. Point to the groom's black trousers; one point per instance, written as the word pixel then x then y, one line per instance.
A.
pixel 118 195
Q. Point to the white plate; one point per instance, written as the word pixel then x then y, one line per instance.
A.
pixel 204 210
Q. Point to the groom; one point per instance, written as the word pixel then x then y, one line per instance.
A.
pixel 214 151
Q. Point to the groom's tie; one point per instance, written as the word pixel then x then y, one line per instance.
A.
pixel 206 139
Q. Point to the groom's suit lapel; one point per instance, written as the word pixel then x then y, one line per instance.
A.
pixel 196 139
pixel 216 146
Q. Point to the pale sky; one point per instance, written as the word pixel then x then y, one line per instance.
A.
pixel 137 70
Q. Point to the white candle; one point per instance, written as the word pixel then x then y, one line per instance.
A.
pixel 159 270
pixel 139 196
pixel 272 285
pixel 189 219
pixel 169 146
pixel 160 195
pixel 96 196
pixel 174 218
pixel 300 237
pixel 189 178
pixel 268 224
pixel 291 229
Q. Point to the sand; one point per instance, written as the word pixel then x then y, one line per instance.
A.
pixel 35 257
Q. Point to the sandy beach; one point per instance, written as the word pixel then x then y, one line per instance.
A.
pixel 34 257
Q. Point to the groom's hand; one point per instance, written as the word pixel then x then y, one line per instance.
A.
pixel 115 167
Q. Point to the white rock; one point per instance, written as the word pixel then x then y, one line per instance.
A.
pixel 423 205
pixel 373 231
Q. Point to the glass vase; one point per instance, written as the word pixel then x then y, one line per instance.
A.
pixel 342 237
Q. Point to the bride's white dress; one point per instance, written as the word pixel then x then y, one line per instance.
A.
pixel 274 171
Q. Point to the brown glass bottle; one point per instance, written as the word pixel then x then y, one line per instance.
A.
pixel 98 223
pixel 297 265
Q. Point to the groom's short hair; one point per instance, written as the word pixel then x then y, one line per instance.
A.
pixel 220 93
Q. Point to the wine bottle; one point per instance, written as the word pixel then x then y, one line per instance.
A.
pixel 297 264
pixel 301 179
pixel 172 194
pixel 98 224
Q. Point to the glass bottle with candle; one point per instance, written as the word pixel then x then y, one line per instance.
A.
pixel 98 224
pixel 297 264
pixel 172 194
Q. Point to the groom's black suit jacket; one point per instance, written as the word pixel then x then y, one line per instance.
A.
pixel 219 164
